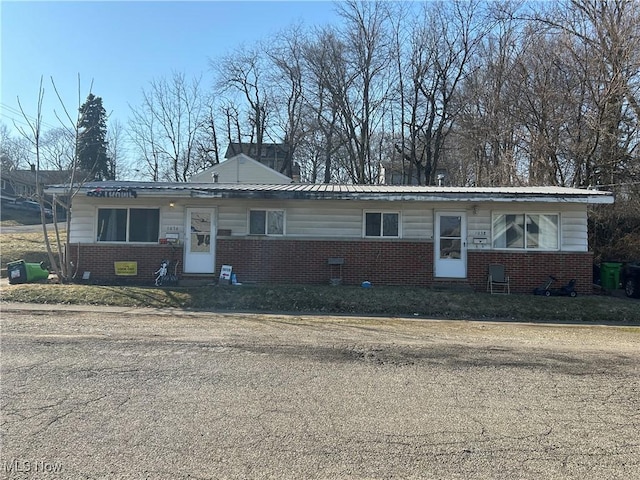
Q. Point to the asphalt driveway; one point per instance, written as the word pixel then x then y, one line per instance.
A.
pixel 121 393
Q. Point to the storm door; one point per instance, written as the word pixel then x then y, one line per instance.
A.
pixel 200 251
pixel 450 245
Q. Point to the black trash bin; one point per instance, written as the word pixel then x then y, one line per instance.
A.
pixel 17 272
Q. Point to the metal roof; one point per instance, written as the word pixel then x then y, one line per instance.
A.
pixel 305 191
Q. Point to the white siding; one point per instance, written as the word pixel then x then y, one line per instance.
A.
pixel 246 172
pixel 234 218
pixel 325 222
pixel 83 221
pixel 172 221
pixel 303 219
pixel 480 221
pixel 241 169
pixel 574 236
pixel 417 223
pixel 479 228
pixel 329 219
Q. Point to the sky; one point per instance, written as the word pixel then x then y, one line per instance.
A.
pixel 116 48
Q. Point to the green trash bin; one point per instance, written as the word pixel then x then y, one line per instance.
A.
pixel 610 275
pixel 17 272
pixel 35 271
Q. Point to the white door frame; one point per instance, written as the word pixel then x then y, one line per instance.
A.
pixel 200 240
pixel 450 246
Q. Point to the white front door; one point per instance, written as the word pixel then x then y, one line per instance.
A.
pixel 450 245
pixel 200 241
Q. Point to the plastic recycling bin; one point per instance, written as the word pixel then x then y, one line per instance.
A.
pixel 22 272
pixel 610 275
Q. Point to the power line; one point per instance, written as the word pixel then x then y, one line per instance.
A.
pixel 16 111
pixel 14 120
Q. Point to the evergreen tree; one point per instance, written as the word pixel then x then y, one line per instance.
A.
pixel 92 140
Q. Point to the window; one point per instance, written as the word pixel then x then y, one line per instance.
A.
pixel 128 225
pixel 266 222
pixel 526 231
pixel 542 232
pixel 381 224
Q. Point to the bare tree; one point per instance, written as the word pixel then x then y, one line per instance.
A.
pixel 398 160
pixel 33 133
pixel 15 151
pixel 146 142
pixel 364 87
pixel 167 127
pixel 57 149
pixel 320 57
pixel 486 130
pixel 349 68
pixel 286 53
pixel 442 44
pixel 117 151
pixel 241 78
pixel 548 109
pixel 234 133
pixel 209 144
pixel 604 40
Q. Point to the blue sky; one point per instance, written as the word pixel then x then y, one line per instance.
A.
pixel 121 46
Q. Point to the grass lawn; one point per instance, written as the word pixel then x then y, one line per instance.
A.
pixel 14 217
pixel 352 300
pixel 27 246
pixel 325 299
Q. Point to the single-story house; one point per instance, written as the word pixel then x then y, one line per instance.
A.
pixel 316 233
pixel 21 184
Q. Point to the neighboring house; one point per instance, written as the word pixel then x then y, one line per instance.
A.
pixel 394 175
pixel 272 155
pixel 21 184
pixel 240 169
pixel 311 233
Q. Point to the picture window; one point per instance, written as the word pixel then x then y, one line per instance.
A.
pixel 526 231
pixel 128 225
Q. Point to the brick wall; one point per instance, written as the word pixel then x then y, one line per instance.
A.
pixel 302 261
pixel 99 260
pixel 530 270
pixel 306 262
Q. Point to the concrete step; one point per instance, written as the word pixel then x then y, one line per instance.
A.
pixel 197 280
pixel 451 285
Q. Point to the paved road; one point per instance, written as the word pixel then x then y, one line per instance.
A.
pixel 119 394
